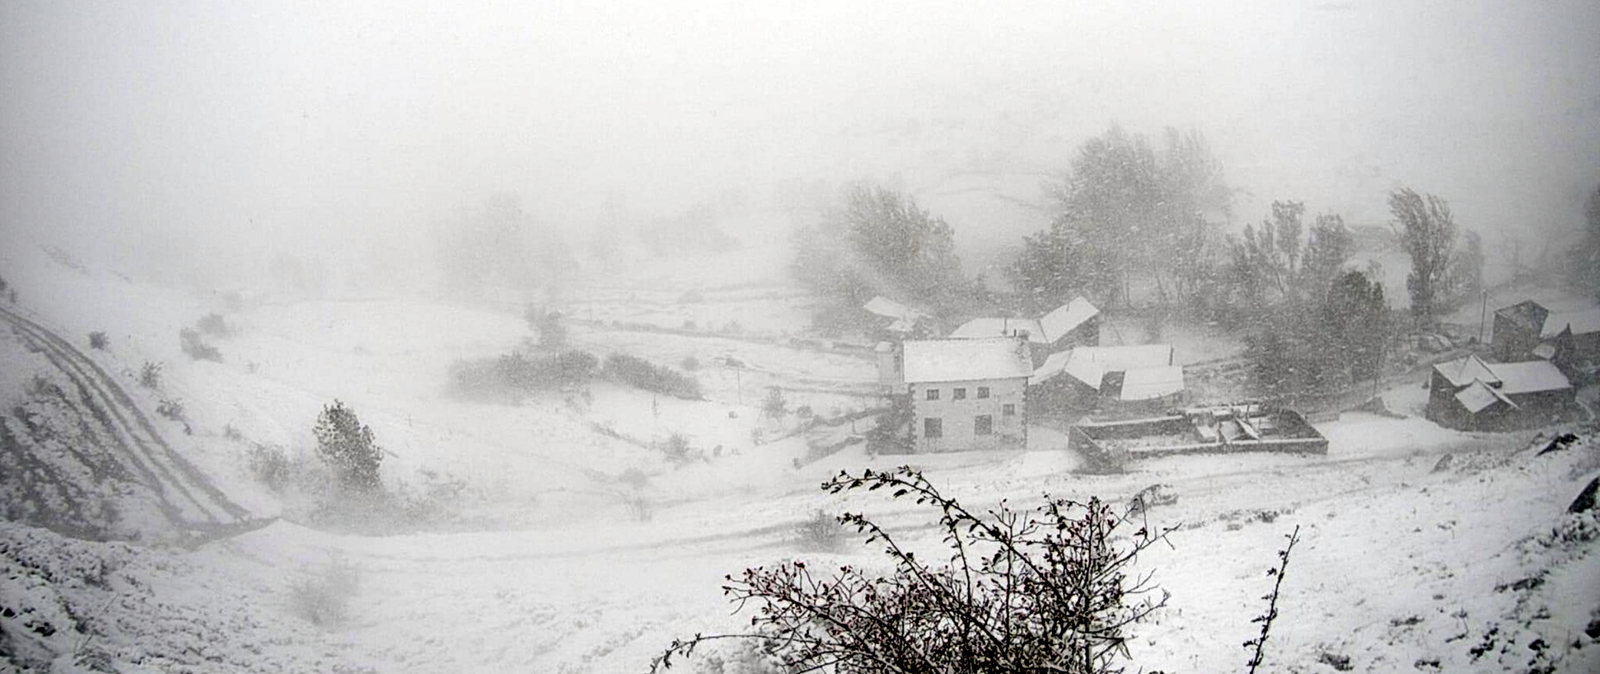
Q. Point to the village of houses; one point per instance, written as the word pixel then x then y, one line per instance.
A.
pixel 984 383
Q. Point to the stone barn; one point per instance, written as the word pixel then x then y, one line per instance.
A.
pixel 1471 394
pixel 1568 338
pixel 1106 379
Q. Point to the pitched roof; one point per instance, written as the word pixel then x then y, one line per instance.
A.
pixel 939 360
pixel 1089 364
pixel 1509 378
pixel 1053 365
pixel 1465 370
pixel 1529 377
pixel 888 308
pixel 1148 383
pixel 983 328
pixel 1582 323
pixel 1124 358
pixel 1066 318
pixel 1478 397
pixel 1527 313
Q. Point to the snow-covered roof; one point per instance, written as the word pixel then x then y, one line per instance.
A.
pixel 1529 377
pixel 1052 366
pixel 1509 378
pixel 1066 318
pixel 1148 383
pixel 1089 364
pixel 1124 358
pixel 901 325
pixel 1465 370
pixel 984 328
pixel 1545 351
pixel 888 308
pixel 938 360
pixel 1478 397
pixel 1582 323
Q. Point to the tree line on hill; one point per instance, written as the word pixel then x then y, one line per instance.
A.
pixel 1135 212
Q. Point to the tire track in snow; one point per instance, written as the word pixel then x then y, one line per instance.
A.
pixel 163 469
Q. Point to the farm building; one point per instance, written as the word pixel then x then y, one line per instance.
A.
pixel 1516 330
pixel 1076 323
pixel 1471 394
pixel 1250 427
pixel 1570 339
pixel 900 321
pixel 1121 378
pixel 967 393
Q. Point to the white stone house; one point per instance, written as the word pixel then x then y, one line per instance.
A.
pixel 967 394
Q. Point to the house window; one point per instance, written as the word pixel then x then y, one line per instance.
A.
pixel 933 394
pixel 1009 410
pixel 932 427
pixel 960 394
pixel 983 392
pixel 983 424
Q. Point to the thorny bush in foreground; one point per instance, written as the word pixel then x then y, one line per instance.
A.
pixel 1042 590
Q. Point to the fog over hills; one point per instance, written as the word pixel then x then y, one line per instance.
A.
pixel 136 126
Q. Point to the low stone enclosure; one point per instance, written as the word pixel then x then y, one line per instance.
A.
pixel 1246 427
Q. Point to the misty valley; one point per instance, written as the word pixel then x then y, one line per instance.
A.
pixel 729 339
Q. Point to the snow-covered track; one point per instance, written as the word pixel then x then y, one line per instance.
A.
pixel 186 495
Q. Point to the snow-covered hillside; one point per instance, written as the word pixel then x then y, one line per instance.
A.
pixel 1421 549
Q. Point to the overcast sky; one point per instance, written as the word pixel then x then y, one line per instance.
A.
pixel 278 123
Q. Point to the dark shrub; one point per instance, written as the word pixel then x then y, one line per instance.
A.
pixel 774 405
pixel 150 375
pixel 642 374
pixel 347 446
pixel 196 348
pixel 172 409
pixel 820 532
pixel 99 341
pixel 514 374
pixel 214 325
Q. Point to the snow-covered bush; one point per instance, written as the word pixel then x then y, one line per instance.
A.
pixel 1062 570
pixel 195 347
pixel 269 466
pixel 774 406
pixel 173 410
pixel 323 597
pixel 213 324
pixel 150 375
pixel 678 450
pixel 820 532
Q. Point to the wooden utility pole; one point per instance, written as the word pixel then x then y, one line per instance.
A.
pixel 1483 317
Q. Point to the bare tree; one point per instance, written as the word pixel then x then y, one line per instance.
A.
pixel 1587 256
pixel 1427 231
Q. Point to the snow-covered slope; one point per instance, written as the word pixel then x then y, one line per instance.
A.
pixel 1407 562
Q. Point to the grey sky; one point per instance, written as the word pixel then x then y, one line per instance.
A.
pixel 285 123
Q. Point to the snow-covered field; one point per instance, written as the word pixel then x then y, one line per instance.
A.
pixel 1407 561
